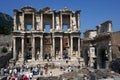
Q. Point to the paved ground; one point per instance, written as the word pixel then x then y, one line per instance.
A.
pixel 55 72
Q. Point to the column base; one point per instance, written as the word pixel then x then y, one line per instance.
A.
pixel 33 59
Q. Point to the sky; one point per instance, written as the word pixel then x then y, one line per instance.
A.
pixel 93 12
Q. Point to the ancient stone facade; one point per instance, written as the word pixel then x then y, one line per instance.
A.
pixel 115 40
pixel 97 50
pixel 46 34
pixel 88 49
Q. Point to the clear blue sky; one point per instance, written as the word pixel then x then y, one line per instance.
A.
pixel 93 12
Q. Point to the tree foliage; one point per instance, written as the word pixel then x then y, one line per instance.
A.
pixel 6 23
pixel 4 50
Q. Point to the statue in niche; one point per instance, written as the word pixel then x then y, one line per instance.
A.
pixel 19 54
pixel 19 27
pixel 57 27
pixel 74 27
pixel 37 56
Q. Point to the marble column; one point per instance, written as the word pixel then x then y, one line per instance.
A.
pixel 61 46
pixel 15 17
pixel 98 59
pixel 61 20
pixel 110 53
pixel 78 47
pixel 41 21
pixel 23 22
pixel 71 20
pixel 78 21
pixel 33 48
pixel 22 48
pixel 41 47
pixel 109 27
pixel 33 22
pixel 71 46
pixel 53 21
pixel 53 54
pixel 14 47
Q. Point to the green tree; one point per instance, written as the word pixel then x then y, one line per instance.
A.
pixel 4 50
pixel 115 65
pixel 6 23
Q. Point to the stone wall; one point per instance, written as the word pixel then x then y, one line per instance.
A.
pixel 4 39
pixel 4 59
pixel 115 39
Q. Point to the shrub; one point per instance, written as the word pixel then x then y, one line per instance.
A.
pixel 115 65
pixel 4 50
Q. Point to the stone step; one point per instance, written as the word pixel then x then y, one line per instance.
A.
pixel 56 62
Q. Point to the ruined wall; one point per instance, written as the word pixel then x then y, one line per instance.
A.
pixel 5 39
pixel 115 39
pixel 4 59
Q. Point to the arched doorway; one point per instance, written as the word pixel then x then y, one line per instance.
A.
pixel 86 57
pixel 102 57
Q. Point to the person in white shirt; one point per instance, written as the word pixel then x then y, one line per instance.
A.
pixel 51 74
pixel 30 75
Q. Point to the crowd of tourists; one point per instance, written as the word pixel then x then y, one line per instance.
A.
pixel 23 72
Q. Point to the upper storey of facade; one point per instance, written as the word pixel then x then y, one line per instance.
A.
pixel 90 34
pixel 104 28
pixel 46 20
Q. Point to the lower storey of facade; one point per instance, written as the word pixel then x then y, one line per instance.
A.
pixel 45 47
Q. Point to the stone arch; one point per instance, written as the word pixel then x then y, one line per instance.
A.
pixel 102 57
pixel 86 56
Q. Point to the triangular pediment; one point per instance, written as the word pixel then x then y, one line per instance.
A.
pixel 66 10
pixel 28 9
pixel 46 10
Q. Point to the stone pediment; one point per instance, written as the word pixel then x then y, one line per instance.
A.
pixel 66 10
pixel 46 10
pixel 28 9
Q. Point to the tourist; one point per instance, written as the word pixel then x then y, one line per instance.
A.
pixel 25 78
pixel 20 76
pixel 2 71
pixel 78 66
pixel 31 69
pixel 30 75
pixel 50 73
pixel 15 72
pixel 10 72
pixel 41 72
pixel 18 68
pixel 67 60
pixel 46 70
pixel 12 78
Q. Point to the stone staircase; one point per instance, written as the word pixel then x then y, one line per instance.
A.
pixel 56 62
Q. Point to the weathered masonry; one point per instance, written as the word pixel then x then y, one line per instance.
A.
pixel 97 46
pixel 46 34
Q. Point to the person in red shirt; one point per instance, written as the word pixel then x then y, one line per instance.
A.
pixel 25 78
pixel 12 78
pixel 46 70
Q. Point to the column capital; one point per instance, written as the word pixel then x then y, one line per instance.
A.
pixel 41 37
pixel 33 37
pixel 14 36
pixel 22 37
pixel 71 37
pixel 33 13
pixel 53 37
pixel 61 36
